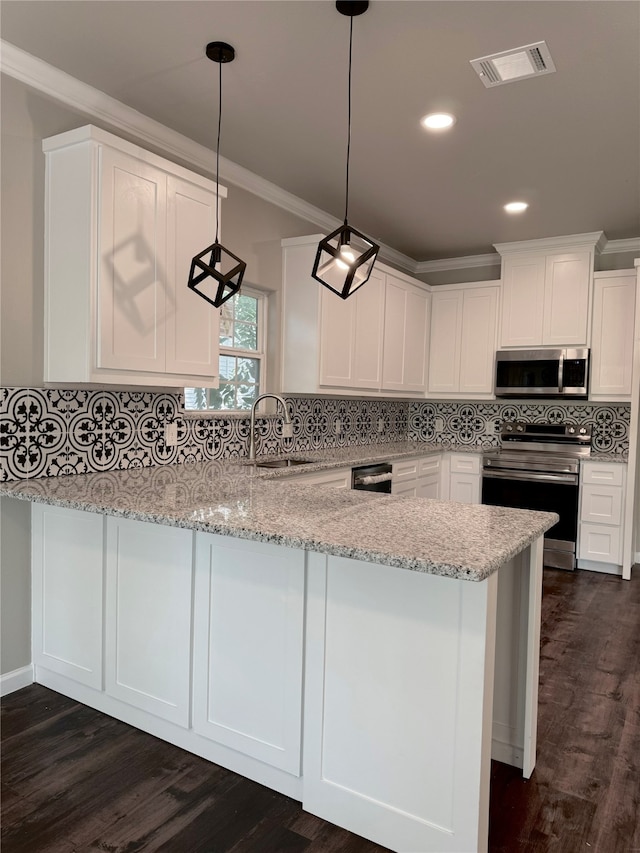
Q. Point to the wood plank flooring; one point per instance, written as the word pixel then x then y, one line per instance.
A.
pixel 75 780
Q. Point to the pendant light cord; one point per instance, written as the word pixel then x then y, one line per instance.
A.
pixel 218 148
pixel 346 203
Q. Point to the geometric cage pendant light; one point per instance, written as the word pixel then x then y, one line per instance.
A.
pixel 216 273
pixel 345 257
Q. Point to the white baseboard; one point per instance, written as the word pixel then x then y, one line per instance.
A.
pixel 16 680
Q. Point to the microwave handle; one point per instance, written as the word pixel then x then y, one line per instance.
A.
pixel 561 372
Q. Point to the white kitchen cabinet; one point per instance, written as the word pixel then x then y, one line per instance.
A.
pixel 461 477
pixel 351 333
pixel 417 478
pixel 405 337
pixel 248 648
pixel 614 301
pixel 600 533
pixel 463 340
pixel 546 290
pixel 121 228
pixel 67 575
pixel 148 617
pixel 375 341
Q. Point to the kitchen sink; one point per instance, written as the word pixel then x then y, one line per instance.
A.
pixel 283 463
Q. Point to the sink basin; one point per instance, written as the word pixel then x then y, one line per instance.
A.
pixel 283 463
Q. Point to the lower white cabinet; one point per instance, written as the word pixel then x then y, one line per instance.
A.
pixel 600 532
pixel 67 548
pixel 148 617
pixel 417 478
pixel 248 646
pixel 461 478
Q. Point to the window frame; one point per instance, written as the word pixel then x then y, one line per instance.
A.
pixel 260 354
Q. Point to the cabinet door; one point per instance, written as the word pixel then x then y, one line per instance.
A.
pixel 478 340
pixel 566 298
pixel 614 300
pixel 407 489
pixel 415 341
pixel 337 336
pixel 429 487
pixel 523 287
pixel 248 646
pixel 192 326
pixel 351 336
pixel 132 278
pixel 465 488
pixel 148 617
pixel 67 555
pixel 444 345
pixel 368 334
pixel 405 337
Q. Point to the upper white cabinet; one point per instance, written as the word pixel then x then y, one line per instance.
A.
pixel 463 339
pixel 404 364
pixel 375 341
pixel 121 228
pixel 546 289
pixel 614 301
pixel 351 333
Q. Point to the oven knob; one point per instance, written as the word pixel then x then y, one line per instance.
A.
pixel 583 431
pixel 509 427
pixel 571 430
pixel 520 428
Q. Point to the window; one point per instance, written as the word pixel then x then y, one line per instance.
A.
pixel 242 356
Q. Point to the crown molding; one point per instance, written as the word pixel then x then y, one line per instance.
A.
pixel 98 106
pixel 466 262
pixel 594 240
pixel 632 244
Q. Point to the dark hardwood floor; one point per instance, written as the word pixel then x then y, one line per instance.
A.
pixel 76 780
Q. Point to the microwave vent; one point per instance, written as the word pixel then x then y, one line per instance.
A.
pixel 531 60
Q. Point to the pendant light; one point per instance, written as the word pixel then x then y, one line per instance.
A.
pixel 218 267
pixel 345 258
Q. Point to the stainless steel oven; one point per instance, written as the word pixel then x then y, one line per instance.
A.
pixel 538 468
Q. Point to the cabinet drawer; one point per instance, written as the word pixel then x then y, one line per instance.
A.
pixel 465 463
pixel 608 474
pixel 601 504
pixel 405 470
pixel 430 465
pixel 601 543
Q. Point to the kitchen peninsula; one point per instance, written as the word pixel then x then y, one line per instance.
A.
pixel 363 653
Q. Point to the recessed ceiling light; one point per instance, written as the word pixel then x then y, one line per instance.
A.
pixel 516 206
pixel 438 121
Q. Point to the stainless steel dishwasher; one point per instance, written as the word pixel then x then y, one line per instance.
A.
pixel 372 478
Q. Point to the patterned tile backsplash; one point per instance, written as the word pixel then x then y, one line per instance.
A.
pixel 49 432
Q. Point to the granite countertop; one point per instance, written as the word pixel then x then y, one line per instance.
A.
pixel 445 538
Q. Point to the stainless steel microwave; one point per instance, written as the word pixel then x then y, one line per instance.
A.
pixel 542 373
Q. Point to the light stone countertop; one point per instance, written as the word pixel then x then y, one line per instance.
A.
pixel 445 538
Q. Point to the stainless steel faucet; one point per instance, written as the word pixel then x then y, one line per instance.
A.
pixel 252 428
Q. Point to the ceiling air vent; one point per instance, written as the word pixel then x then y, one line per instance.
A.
pixel 509 65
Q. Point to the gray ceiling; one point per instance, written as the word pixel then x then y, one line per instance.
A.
pixel 569 142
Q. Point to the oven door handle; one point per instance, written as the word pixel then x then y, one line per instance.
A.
pixel 530 476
